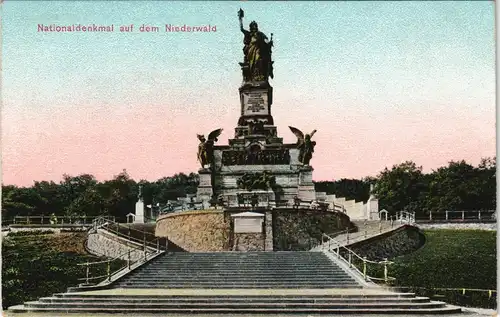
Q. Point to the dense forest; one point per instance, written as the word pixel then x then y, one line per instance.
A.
pixel 458 186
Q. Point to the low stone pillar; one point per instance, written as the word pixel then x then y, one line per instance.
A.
pixel 306 190
pixel 204 191
pixel 269 245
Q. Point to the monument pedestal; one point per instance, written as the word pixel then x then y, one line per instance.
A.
pixel 256 100
pixel 205 191
pixel 256 152
pixel 139 212
pixel 306 186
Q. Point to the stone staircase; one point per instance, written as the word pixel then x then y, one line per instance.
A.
pixel 254 303
pixel 366 230
pixel 238 282
pixel 240 270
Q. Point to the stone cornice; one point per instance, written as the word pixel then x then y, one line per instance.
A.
pixel 187 213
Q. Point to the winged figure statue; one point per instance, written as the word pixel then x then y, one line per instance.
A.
pixel 305 145
pixel 206 147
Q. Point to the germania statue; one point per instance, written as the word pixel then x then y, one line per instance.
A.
pixel 257 65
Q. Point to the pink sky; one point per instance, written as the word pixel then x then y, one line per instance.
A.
pixel 103 141
pixel 385 83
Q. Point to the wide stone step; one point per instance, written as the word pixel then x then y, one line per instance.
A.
pixel 246 264
pixel 242 256
pixel 199 299
pixel 222 270
pixel 226 274
pixel 242 305
pixel 235 270
pixel 232 296
pixel 238 256
pixel 239 277
pixel 241 266
pixel 249 253
pixel 235 283
pixel 239 281
pixel 245 267
pixel 255 259
pixel 246 282
pixel 237 273
pixel 232 269
pixel 190 257
pixel 240 272
pixel 260 259
pixel 230 311
pixel 318 257
pixel 242 286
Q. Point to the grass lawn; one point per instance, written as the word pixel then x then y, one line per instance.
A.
pixel 39 264
pixel 452 259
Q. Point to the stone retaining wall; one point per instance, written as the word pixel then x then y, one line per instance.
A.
pixel 283 229
pixel 249 242
pixel 102 244
pixel 196 231
pixel 391 244
pixel 302 229
pixel 459 226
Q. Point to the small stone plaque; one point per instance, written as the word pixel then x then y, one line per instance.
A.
pixel 248 225
pixel 248 222
pixel 255 103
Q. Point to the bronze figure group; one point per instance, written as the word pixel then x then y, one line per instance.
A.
pixel 255 181
pixel 264 157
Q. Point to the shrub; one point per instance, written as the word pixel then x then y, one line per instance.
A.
pixel 36 265
pixel 29 233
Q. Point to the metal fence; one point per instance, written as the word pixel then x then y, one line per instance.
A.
pixel 52 220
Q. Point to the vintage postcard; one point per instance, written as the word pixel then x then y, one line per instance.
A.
pixel 254 158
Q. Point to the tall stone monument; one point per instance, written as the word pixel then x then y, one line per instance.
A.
pixel 372 212
pixel 139 208
pixel 256 165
